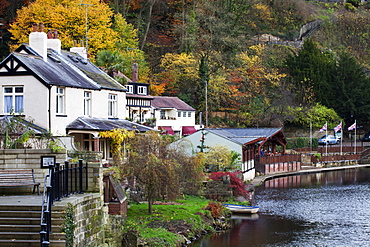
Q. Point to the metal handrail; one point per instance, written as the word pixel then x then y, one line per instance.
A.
pixel 46 210
pixel 59 183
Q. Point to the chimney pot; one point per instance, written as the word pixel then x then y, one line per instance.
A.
pixel 41 27
pixel 34 26
pixel 55 33
pixel 50 34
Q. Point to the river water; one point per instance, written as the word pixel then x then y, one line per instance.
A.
pixel 320 209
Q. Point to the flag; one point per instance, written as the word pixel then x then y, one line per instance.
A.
pixel 338 128
pixel 352 127
pixel 323 128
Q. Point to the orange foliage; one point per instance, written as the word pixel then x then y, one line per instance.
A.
pixel 216 208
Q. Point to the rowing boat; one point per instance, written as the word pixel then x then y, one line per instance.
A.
pixel 241 209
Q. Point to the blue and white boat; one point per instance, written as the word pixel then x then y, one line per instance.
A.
pixel 241 209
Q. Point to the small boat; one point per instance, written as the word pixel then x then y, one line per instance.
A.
pixel 241 209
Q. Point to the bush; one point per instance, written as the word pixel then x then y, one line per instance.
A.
pixel 301 142
pixel 236 183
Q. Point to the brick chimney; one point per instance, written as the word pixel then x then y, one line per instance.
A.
pixel 38 40
pixel 135 72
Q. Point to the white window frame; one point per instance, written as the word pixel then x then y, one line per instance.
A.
pixel 162 114
pixel 112 105
pixel 130 89
pixel 141 90
pixel 179 114
pixel 60 100
pixel 184 114
pixel 87 103
pixel 16 96
pixel 189 113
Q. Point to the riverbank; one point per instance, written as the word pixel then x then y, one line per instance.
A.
pixel 176 223
pixel 183 221
pixel 251 185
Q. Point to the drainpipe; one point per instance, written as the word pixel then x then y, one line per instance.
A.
pixel 49 108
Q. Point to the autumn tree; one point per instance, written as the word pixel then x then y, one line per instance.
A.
pixel 219 158
pixel 69 18
pixel 157 166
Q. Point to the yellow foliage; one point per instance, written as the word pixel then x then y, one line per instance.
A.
pixel 181 64
pixel 117 137
pixel 218 156
pixel 254 68
pixel 69 18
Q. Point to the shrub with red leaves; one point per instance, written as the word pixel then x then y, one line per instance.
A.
pixel 236 183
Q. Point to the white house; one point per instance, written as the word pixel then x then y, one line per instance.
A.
pixel 173 115
pixel 62 92
pixel 248 142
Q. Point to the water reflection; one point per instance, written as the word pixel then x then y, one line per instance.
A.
pixel 322 209
pixel 348 176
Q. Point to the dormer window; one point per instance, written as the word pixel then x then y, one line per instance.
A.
pixel 141 90
pixel 130 88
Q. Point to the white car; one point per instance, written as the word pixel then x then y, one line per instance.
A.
pixel 328 139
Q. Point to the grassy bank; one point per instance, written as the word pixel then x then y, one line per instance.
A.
pixel 171 224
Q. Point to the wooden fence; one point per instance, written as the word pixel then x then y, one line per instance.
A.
pixel 331 149
pixel 279 163
pixel 332 158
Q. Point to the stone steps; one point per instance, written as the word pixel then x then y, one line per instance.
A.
pixel 20 226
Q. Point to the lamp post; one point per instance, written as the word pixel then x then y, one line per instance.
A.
pixel 86 23
pixel 206 90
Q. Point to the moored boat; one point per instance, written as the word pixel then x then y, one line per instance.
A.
pixel 241 209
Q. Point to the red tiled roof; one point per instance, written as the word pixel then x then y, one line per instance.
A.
pixel 171 102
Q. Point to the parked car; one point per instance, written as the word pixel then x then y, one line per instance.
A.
pixel 328 139
pixel 366 137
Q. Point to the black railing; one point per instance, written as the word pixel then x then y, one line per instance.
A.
pixel 62 181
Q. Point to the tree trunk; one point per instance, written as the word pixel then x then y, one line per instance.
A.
pixel 147 24
pixel 150 203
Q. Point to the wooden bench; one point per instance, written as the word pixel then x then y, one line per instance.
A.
pixel 18 178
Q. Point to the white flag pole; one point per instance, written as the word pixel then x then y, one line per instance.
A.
pixel 355 136
pixel 341 137
pixel 326 133
pixel 310 136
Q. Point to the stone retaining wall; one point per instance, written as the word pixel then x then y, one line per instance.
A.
pixel 217 189
pixel 31 159
pixel 89 218
pixel 27 159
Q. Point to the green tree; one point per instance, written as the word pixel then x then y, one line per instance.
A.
pixel 349 94
pixel 311 73
pixel 316 115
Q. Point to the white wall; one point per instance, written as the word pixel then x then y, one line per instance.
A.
pixel 36 103
pixel 178 122
pixel 210 140
pixel 74 107
pixel 35 98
